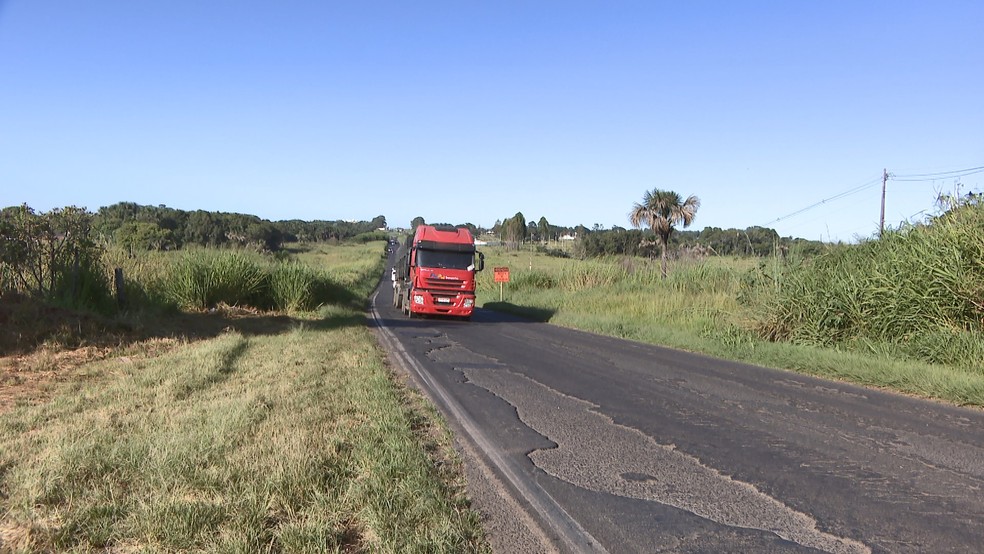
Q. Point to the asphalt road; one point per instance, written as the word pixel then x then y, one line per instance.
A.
pixel 580 443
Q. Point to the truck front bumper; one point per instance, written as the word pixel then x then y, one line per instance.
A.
pixel 441 303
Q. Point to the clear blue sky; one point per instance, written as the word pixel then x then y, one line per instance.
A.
pixel 472 111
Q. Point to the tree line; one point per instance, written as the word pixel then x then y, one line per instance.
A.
pixel 597 241
pixel 139 227
pixel 748 242
pixel 511 231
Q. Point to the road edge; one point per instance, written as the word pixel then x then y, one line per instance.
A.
pixel 548 519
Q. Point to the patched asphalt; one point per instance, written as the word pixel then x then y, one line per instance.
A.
pixel 583 443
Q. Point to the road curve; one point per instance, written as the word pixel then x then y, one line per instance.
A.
pixel 579 443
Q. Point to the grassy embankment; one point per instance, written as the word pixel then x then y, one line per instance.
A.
pixel 287 434
pixel 903 312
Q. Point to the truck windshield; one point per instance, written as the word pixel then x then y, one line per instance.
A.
pixel 445 260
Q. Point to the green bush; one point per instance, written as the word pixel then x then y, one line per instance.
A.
pixel 84 286
pixel 52 256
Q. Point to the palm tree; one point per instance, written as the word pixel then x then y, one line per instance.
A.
pixel 660 210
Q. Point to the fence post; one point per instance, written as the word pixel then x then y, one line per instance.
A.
pixel 75 291
pixel 120 288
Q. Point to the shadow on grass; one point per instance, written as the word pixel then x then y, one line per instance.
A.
pixel 334 293
pixel 337 322
pixel 196 326
pixel 27 324
pixel 536 314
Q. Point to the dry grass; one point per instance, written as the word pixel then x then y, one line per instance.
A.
pixel 230 430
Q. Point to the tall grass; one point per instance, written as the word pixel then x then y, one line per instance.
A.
pixel 295 286
pixel 201 279
pixel 303 279
pixel 918 291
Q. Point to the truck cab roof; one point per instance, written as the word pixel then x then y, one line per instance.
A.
pixel 443 237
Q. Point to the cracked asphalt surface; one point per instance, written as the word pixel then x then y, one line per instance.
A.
pixel 578 443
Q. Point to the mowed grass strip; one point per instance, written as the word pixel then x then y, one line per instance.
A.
pixel 294 442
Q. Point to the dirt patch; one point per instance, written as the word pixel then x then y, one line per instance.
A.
pixel 27 324
pixel 31 377
pixel 42 346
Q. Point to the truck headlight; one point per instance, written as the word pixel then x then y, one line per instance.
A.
pixel 418 299
pixel 469 302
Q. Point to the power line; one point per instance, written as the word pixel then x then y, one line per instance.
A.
pixel 912 177
pixel 919 177
pixel 838 196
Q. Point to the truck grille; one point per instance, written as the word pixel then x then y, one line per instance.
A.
pixel 446 284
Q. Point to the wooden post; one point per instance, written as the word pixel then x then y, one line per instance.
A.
pixel 75 292
pixel 120 288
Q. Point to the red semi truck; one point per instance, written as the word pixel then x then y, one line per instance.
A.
pixel 435 272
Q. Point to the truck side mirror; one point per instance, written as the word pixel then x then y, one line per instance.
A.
pixel 481 262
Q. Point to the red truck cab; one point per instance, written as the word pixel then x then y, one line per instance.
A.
pixel 436 272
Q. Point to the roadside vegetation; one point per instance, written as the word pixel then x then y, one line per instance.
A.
pixel 903 312
pixel 232 398
pixel 236 402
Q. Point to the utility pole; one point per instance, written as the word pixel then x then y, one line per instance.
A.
pixel 881 222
